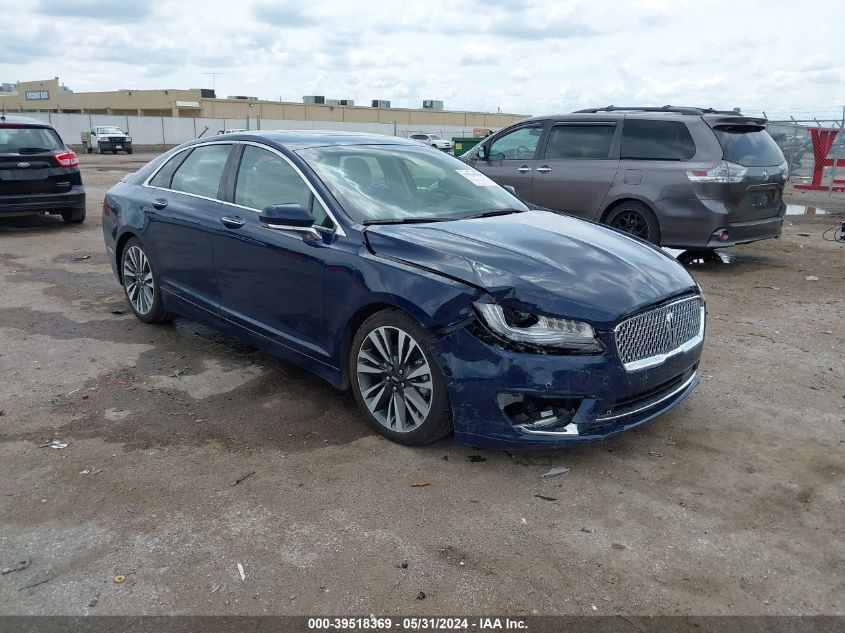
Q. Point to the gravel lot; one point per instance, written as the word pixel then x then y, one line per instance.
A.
pixel 731 504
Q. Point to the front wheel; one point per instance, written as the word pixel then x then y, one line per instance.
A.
pixel 637 219
pixel 140 283
pixel 396 382
pixel 129 151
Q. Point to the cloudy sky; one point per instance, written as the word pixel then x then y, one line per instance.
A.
pixel 529 56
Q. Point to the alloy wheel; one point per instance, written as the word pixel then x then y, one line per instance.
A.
pixel 138 280
pixel 394 378
pixel 631 222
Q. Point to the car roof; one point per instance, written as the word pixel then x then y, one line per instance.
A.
pixel 11 119
pixel 301 139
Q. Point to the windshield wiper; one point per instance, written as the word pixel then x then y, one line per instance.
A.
pixel 32 150
pixel 491 213
pixel 422 220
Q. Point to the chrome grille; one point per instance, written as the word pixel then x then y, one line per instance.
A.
pixel 649 338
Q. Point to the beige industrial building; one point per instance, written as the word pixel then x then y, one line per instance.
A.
pixel 52 96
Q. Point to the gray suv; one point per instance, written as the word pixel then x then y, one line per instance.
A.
pixel 682 177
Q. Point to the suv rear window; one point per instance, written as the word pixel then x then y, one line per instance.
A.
pixel 28 140
pixel 656 140
pixel 749 146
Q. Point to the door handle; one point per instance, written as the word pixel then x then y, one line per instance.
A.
pixel 545 169
pixel 159 203
pixel 232 223
pixel 524 169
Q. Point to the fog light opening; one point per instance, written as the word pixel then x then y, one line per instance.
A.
pixel 722 235
pixel 538 414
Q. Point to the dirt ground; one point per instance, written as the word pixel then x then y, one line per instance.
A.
pixel 731 504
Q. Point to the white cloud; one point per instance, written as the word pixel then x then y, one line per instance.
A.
pixel 531 56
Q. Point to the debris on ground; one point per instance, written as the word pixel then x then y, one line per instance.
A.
pixel 93 603
pixel 404 565
pixel 477 458
pixel 181 372
pixel 587 530
pixel 445 458
pixel 34 583
pixel 119 311
pixel 81 257
pixel 749 468
pixel 555 471
pixel 421 595
pixel 217 586
pixel 85 396
pixel 655 453
pixel 241 572
pixel 420 484
pixel 21 562
pixel 55 444
pixel 242 477
pixel 119 580
pixel 545 498
pixel 811 278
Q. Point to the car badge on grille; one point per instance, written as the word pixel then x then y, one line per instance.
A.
pixel 764 175
pixel 23 165
pixel 671 330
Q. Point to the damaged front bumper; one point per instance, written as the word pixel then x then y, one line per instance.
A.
pixel 502 398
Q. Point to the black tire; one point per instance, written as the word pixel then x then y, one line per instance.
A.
pixel 156 312
pixel 114 151
pixel 129 151
pixel 89 150
pixel 438 421
pixel 635 218
pixel 100 149
pixel 73 216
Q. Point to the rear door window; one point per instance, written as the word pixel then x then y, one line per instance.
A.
pixel 656 140
pixel 749 146
pixel 28 140
pixel 200 173
pixel 580 141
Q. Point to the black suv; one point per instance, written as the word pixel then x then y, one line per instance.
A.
pixel 38 172
pixel 682 177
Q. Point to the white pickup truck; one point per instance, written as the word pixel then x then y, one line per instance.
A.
pixel 106 138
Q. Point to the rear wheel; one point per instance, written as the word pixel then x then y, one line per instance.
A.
pixel 129 151
pixel 635 218
pixel 397 383
pixel 140 283
pixel 73 216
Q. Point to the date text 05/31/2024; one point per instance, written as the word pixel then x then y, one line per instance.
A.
pixel 416 624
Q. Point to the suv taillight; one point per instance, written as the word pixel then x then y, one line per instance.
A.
pixel 724 171
pixel 67 159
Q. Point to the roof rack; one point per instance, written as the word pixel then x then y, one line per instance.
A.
pixel 666 108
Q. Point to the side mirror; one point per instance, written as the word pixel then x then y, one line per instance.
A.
pixel 287 216
pixel 511 190
pixel 482 152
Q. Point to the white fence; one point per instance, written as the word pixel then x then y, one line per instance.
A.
pixel 153 130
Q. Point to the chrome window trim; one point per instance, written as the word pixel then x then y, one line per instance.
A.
pixel 337 229
pixel 651 361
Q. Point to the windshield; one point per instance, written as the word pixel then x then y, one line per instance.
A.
pixel 109 130
pixel 14 140
pixel 749 146
pixel 384 183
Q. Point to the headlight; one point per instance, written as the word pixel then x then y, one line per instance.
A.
pixel 538 330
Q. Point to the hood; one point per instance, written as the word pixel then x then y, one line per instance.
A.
pixel 541 262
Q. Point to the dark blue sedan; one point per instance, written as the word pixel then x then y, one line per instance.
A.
pixel 439 298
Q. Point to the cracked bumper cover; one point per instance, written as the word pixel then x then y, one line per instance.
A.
pixel 477 372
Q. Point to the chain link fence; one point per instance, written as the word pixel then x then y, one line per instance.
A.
pixel 795 141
